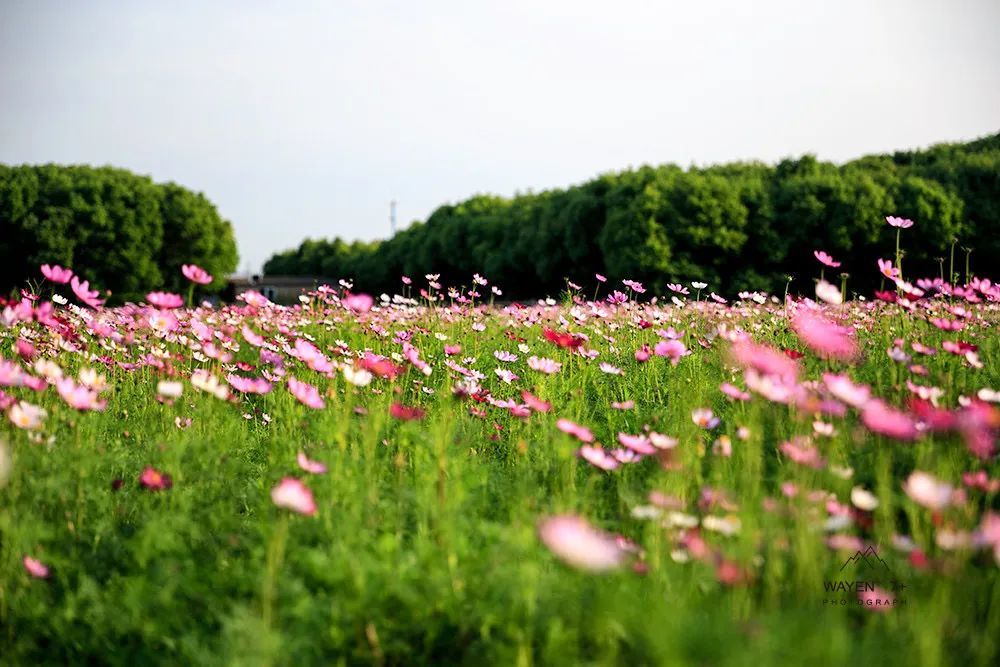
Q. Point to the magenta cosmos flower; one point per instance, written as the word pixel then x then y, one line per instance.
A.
pixel 56 273
pixel 902 223
pixel 580 545
pixel 154 480
pixel 84 293
pixel 581 433
pixel 196 274
pixel 35 568
pixel 293 495
pixel 828 339
pixel 306 394
pixel 825 259
pixel 165 300
pixel 928 491
pixel 880 418
pixel 310 466
pixel 358 303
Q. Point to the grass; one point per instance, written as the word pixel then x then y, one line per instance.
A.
pixel 425 547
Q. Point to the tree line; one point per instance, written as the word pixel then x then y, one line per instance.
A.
pixel 119 230
pixel 739 226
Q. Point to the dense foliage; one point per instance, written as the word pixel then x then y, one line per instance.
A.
pixel 120 230
pixel 737 226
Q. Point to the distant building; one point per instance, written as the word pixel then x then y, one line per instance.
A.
pixel 279 289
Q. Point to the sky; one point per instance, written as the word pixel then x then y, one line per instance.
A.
pixel 305 119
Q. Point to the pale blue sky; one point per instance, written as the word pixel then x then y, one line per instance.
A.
pixel 306 118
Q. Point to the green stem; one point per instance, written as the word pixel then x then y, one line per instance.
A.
pixel 275 557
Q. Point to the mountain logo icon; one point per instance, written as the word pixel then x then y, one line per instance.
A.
pixel 869 557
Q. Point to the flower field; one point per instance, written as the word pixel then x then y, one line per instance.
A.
pixel 436 477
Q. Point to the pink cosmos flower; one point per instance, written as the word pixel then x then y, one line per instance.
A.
pixel 11 374
pixel 704 418
pixel 578 544
pixel 674 349
pixel 634 286
pixel 358 303
pixel 925 489
pixel 196 274
pixel 801 452
pixel 248 385
pixel 84 293
pixel 579 432
pixel 543 365
pixel 980 480
pixel 25 350
pixel 902 223
pixel 855 395
pixel 609 369
pixel 878 600
pixel 828 339
pixel 597 457
pixel 535 403
pixel 292 494
pixel 764 359
pixel 636 443
pixel 57 274
pixel 623 405
pixel 829 293
pixel 734 392
pixel 306 394
pixel 505 375
pixel 617 297
pixel 643 354
pixel 307 464
pixel 880 418
pixel 825 259
pixel 154 480
pixel 250 336
pixel 406 413
pixel 887 269
pixel 35 568
pixel 78 396
pixel 600 278
pixel 165 300
pixel 25 415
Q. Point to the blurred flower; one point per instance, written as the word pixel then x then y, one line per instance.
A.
pixel 154 480
pixel 825 259
pixel 543 365
pixel 863 499
pixel 196 274
pixel 314 467
pixel 35 568
pixel 828 293
pixel 165 300
pixel 168 389
pixel 579 432
pixel 902 223
pixel 580 545
pixel 292 494
pixel 27 416
pixel 704 418
pixel 306 394
pixel 924 489
pixel 56 273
